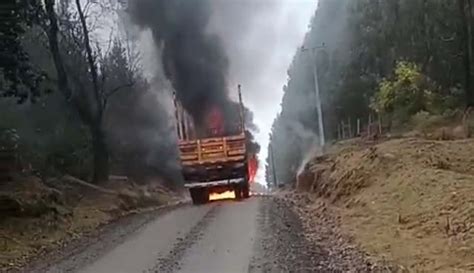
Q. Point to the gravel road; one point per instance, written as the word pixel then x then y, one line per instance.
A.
pixel 256 235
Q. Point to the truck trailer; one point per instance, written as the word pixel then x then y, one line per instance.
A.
pixel 214 162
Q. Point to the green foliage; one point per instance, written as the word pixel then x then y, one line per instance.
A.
pixel 65 150
pixel 19 78
pixel 46 147
pixel 404 95
pixel 361 72
pixel 410 92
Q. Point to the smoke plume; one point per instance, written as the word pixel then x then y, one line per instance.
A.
pixel 194 60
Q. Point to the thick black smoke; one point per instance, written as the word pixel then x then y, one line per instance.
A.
pixel 193 59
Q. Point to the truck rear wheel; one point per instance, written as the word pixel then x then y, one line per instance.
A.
pixel 238 192
pixel 204 196
pixel 199 196
pixel 195 196
pixel 246 191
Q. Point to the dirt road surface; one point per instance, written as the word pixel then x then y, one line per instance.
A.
pixel 255 235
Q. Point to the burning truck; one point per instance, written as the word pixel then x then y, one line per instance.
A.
pixel 216 158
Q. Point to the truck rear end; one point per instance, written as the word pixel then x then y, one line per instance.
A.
pixel 213 164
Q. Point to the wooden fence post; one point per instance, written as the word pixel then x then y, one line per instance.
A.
pixel 380 124
pixel 350 127
pixel 343 130
pixel 358 127
pixel 369 125
pixel 339 132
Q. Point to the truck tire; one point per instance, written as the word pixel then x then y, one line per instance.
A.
pixel 238 192
pixel 246 191
pixel 199 196
pixel 204 195
pixel 195 196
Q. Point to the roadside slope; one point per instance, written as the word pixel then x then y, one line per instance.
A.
pixel 40 217
pixel 410 200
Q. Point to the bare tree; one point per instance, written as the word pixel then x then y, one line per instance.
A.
pixel 82 82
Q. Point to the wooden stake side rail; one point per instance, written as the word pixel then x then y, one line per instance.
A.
pixel 211 150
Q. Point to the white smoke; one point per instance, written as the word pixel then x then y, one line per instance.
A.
pixel 309 143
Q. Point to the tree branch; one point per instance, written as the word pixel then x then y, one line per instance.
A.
pixel 52 33
pixel 63 80
pixel 115 90
pixel 449 39
pixel 90 59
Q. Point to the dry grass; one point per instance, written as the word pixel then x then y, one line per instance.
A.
pixel 409 200
pixel 65 217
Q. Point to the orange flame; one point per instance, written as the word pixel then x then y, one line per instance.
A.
pixel 215 121
pixel 220 196
pixel 252 168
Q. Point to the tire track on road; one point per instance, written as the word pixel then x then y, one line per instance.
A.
pixel 171 262
pixel 79 252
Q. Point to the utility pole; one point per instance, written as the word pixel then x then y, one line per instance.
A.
pixel 275 180
pixel 322 138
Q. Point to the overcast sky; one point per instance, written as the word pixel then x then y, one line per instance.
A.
pixel 261 45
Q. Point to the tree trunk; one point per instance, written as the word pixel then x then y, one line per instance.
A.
pixel 469 92
pixel 466 17
pixel 101 154
pixel 427 37
pixel 90 117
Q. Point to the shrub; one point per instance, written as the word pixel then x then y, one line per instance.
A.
pixel 408 93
